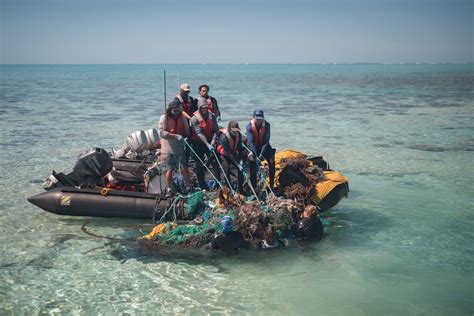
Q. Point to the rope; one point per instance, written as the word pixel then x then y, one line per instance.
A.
pixel 202 162
pixel 251 186
pixel 169 208
pixel 259 165
pixel 223 171
pixel 83 228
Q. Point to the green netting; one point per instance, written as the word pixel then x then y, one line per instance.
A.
pixel 196 204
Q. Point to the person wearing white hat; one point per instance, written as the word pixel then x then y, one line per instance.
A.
pixel 188 105
pixel 186 101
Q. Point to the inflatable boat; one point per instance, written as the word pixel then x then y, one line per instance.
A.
pixel 102 201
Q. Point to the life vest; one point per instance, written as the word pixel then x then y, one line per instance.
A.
pixel 175 125
pixel 206 126
pixel 210 106
pixel 185 104
pixel 232 142
pixel 258 134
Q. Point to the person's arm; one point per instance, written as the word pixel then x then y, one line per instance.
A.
pixel 197 129
pixel 187 129
pixel 250 140
pixel 163 132
pixel 240 150
pixel 162 128
pixel 215 130
pixel 266 139
pixel 227 151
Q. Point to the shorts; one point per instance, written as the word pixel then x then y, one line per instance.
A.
pixel 171 161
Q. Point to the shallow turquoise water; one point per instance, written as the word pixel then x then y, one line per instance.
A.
pixel 400 244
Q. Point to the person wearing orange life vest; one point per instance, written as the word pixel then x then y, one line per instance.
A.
pixel 188 105
pixel 230 151
pixel 258 141
pixel 186 101
pixel 211 101
pixel 204 130
pixel 173 128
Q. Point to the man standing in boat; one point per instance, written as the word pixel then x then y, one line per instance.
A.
pixel 188 105
pixel 186 101
pixel 230 150
pixel 258 140
pixel 211 101
pixel 173 128
pixel 204 130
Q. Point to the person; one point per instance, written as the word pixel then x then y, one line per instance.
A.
pixel 211 101
pixel 231 151
pixel 228 239
pixel 186 101
pixel 309 226
pixel 204 130
pixel 189 107
pixel 173 128
pixel 258 141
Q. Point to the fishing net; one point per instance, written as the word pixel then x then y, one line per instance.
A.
pixel 298 179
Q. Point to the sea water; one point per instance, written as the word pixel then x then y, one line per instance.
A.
pixel 400 244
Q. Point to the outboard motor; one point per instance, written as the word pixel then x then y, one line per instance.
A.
pixel 138 145
pixel 91 166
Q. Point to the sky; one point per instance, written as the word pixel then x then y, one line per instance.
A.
pixel 231 31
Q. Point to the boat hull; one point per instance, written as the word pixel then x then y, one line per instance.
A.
pixel 98 203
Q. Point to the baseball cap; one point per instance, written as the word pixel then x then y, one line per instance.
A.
pixel 234 126
pixel 184 87
pixel 258 114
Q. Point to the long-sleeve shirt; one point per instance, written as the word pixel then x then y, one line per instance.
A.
pixel 251 141
pixel 195 126
pixel 235 157
pixel 217 112
pixel 170 145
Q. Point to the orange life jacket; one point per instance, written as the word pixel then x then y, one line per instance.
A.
pixel 206 126
pixel 258 134
pixel 232 142
pixel 185 104
pixel 175 125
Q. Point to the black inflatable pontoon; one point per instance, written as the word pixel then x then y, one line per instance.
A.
pixel 100 203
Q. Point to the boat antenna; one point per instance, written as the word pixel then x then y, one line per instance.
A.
pixel 164 86
pixel 177 73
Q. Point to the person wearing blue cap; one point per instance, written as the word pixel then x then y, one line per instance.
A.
pixel 258 141
pixel 228 239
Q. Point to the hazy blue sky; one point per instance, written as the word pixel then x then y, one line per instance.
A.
pixel 244 31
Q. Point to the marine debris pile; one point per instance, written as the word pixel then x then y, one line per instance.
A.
pixel 227 220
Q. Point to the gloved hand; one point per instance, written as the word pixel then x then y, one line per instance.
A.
pixel 241 167
pixel 179 137
pixel 251 157
pixel 210 147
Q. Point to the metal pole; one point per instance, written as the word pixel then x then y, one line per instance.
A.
pixel 164 86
